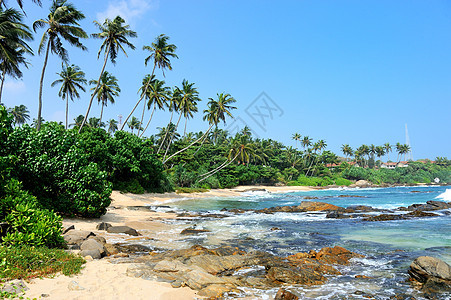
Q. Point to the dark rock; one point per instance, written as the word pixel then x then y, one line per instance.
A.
pixel 385 217
pixel 68 228
pixel 310 198
pixel 275 229
pixel 421 214
pixel 110 249
pixel 123 229
pixel 430 205
pixel 283 294
pixel 351 196
pixel 131 248
pixel 103 226
pixel 303 207
pixel 337 215
pixel 191 231
pixel 359 208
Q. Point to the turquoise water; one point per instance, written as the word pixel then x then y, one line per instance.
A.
pixel 389 247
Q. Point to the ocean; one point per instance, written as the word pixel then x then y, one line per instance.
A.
pixel 388 246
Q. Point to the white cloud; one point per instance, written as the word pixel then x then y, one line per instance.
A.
pixel 129 10
pixel 14 86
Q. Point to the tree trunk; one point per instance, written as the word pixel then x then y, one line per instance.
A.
pixel 147 125
pixel 38 125
pixel 220 168
pixel 180 151
pixel 2 83
pixel 166 133
pixel 184 131
pixel 139 101
pixel 67 110
pixel 94 92
pixel 172 137
pixel 101 114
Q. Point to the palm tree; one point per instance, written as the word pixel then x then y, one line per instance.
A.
pixel 112 125
pixel 157 96
pixel 242 148
pixel 114 34
pixel 20 114
pixel 347 150
pixel 61 23
pixel 380 151
pixel 186 98
pixel 134 123
pixel 388 149
pixel 95 123
pixel 400 150
pixel 77 121
pixel 164 131
pixel 105 90
pixel 296 137
pixel 320 146
pixel 173 107
pixel 161 52
pixel 71 79
pixel 20 3
pixel 216 112
pixel 13 46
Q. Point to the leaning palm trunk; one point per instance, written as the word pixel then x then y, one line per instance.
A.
pixel 1 85
pixel 172 137
pixel 311 164
pixel 38 125
pixel 67 110
pixel 220 168
pixel 101 114
pixel 147 125
pixel 94 92
pixel 187 147
pixel 166 133
pixel 139 101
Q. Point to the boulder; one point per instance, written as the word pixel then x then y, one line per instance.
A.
pixel 363 184
pixel 433 274
pixel 95 254
pixel 73 237
pixel 91 244
pixel 110 249
pixel 103 226
pixel 283 294
pixel 425 267
pixel 123 229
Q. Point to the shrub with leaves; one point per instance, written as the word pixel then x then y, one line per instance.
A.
pixel 54 168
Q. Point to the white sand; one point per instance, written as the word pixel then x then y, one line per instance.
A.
pixel 102 279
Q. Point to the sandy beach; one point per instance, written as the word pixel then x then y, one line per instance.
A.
pixel 104 279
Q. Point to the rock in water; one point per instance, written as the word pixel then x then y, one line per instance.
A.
pixel 425 267
pixel 283 294
pixel 433 273
pixel 122 229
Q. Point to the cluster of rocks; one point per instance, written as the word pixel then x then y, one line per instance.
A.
pixel 432 276
pixel 214 272
pixel 90 245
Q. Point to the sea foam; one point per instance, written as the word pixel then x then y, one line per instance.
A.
pixel 446 195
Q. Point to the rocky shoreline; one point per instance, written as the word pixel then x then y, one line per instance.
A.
pixel 226 269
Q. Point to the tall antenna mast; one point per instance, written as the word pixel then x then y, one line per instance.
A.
pixel 409 154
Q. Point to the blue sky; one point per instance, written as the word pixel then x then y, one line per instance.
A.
pixel 351 72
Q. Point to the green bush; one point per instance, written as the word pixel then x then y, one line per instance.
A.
pixel 25 262
pixel 54 168
pixel 342 181
pixel 33 227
